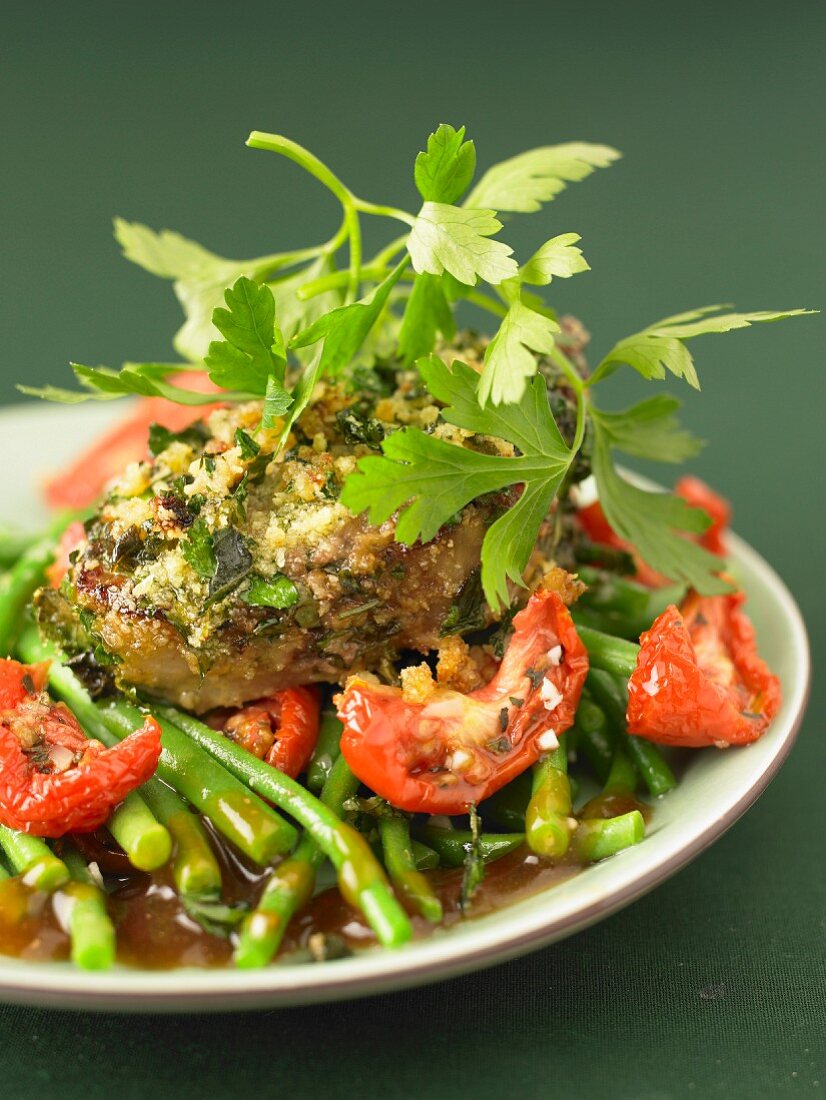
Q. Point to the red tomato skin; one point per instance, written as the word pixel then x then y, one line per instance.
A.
pixel 83 483
pixel 690 489
pixel 80 799
pixel 293 715
pixel 699 679
pixel 12 676
pixel 297 732
pixel 381 729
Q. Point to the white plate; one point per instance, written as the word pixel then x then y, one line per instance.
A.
pixel 716 789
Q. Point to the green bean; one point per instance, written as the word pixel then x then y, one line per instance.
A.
pixel 361 879
pixel 605 622
pixel 450 844
pixel 14 543
pixel 245 820
pixel 622 777
pixel 615 655
pixel 195 870
pixel 506 808
pixel 326 751
pixel 18 584
pixel 617 605
pixel 610 592
pixel 289 888
pixel 598 838
pixel 291 884
pixel 426 859
pixel 91 931
pixel 394 830
pixel 33 859
pixel 594 739
pixel 146 842
pixel 649 763
pixel 548 821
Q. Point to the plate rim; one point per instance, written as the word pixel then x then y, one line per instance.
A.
pixel 135 991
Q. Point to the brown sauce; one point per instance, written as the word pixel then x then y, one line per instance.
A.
pixel 154 931
pixel 510 879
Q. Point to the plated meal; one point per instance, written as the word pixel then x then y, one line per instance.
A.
pixel 353 630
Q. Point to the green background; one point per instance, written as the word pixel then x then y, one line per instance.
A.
pixel 714 984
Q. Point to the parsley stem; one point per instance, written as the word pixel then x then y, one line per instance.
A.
pixel 277 143
pixel 371 273
pixel 353 224
pixel 380 211
pixel 269 266
pixel 562 361
pixel 389 253
pixel 484 301
pixel 576 383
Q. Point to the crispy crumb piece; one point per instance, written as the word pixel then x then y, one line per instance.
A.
pixel 417 683
pixel 567 585
pixel 456 667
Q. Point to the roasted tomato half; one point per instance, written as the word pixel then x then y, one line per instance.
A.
pixel 281 729
pixel 53 780
pixel 442 754
pixel 699 679
pixel 690 489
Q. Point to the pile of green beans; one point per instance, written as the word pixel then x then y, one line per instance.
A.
pixel 291 829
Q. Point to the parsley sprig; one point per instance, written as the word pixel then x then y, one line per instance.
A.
pixel 288 319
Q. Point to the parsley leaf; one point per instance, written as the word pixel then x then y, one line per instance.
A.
pixel 655 523
pixel 251 356
pixel 276 402
pixel 279 592
pixel 648 430
pixel 428 312
pixel 345 329
pixel 146 379
pixel 63 396
pixel 557 257
pixel 248 363
pixel 457 240
pixel 343 332
pixel 197 549
pixel 660 347
pixel 200 277
pixel 249 326
pixel 429 480
pixel 247 445
pixel 522 183
pixel 444 172
pixel 508 357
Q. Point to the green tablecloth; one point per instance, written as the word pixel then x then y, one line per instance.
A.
pixel 715 983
